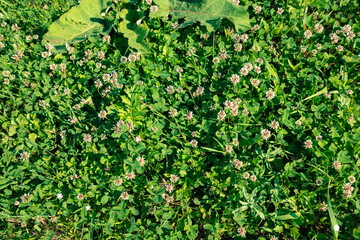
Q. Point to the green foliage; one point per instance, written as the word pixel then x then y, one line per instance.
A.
pixel 79 23
pixel 203 135
pixel 208 12
pixel 132 31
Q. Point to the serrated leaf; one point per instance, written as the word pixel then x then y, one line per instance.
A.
pixel 208 12
pixel 79 23
pixel 133 32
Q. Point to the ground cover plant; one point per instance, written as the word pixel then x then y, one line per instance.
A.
pixel 212 119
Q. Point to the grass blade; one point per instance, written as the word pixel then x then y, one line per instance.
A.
pixel 316 94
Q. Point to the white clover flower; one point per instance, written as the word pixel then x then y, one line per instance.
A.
pixel 59 196
pixel 154 8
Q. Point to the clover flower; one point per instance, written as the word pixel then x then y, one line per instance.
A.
pixel 255 82
pixel 241 231
pixel 221 115
pixel 173 112
pixel 140 160
pixel 24 156
pixel 307 34
pixel 228 148
pixel 124 195
pixel 352 179
pixel 274 124
pixel 253 178
pixel 270 94
pixel 59 196
pixel 323 207
pixel 337 165
pixel 280 11
pixel 244 38
pixel 308 144
pixel 169 188
pixel 265 134
pixel 130 176
pixel 347 190
pixel 132 58
pixel 193 143
pixel 237 163
pixel 174 178
pixel 80 196
pixel 238 47
pixel 106 38
pixel 25 198
pixel 319 28
pixel 118 182
pixel 67 91
pixel 257 9
pixel 170 89
pixel 189 115
pixel 234 79
pixel 87 138
pixel 102 114
pixel 319 138
pixel 154 8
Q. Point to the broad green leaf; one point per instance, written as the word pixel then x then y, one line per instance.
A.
pixel 133 32
pixel 207 12
pixel 79 23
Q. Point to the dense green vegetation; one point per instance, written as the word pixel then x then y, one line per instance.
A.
pixel 214 120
